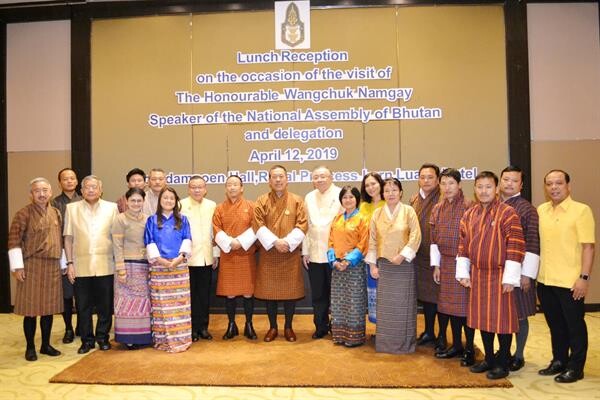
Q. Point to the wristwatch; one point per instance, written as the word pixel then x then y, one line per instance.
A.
pixel 585 277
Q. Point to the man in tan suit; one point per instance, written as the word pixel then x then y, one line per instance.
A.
pixel 90 263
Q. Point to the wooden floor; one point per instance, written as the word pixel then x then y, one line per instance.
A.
pixel 20 379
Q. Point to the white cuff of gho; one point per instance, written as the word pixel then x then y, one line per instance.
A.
pixel 247 238
pixel 531 265
pixel 294 238
pixel 152 251
pixel 408 253
pixel 435 256
pixel 15 259
pixel 186 248
pixel 512 273
pixel 266 237
pixel 223 240
pixel 463 268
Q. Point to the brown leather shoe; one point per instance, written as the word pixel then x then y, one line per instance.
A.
pixel 271 335
pixel 289 334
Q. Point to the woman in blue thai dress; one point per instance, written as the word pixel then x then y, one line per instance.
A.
pixel 169 244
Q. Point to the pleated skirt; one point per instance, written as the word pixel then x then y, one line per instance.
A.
pixel 396 308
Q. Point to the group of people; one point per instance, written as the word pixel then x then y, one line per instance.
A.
pixel 471 263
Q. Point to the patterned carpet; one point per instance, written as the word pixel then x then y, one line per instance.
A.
pixel 305 363
pixel 20 379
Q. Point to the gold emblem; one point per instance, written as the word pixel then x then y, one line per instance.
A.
pixel 292 30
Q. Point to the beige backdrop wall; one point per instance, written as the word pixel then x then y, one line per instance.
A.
pixel 38 92
pixel 564 75
pixel 453 57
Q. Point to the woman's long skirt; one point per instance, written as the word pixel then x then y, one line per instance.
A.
pixel 372 296
pixel 349 305
pixel 396 308
pixel 132 305
pixel 171 308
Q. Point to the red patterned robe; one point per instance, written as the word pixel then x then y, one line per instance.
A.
pixel 488 238
pixel 445 233
pixel 237 269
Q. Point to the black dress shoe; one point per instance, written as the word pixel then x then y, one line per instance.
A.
pixel 516 364
pixel 205 334
pixel 195 337
pixel 319 334
pixel 249 331
pixel 104 345
pixel 132 346
pixel 480 367
pixel 49 351
pixel 30 355
pixel 425 338
pixel 69 336
pixel 569 376
pixel 85 348
pixel 450 353
pixel 497 373
pixel 232 331
pixel 468 358
pixel 555 367
pixel 440 344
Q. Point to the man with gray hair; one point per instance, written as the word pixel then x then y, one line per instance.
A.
pixel 322 206
pixel 90 264
pixel 34 251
